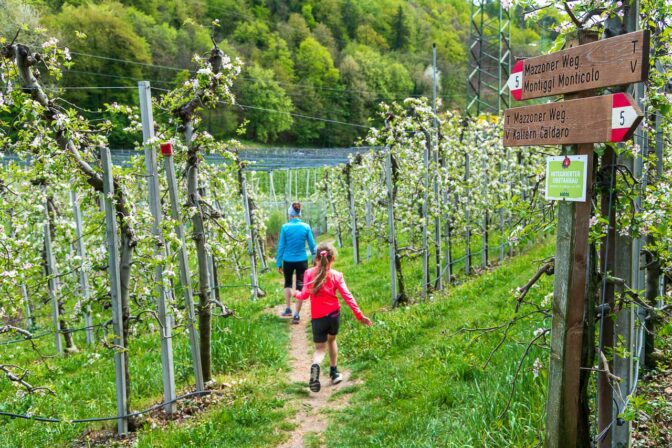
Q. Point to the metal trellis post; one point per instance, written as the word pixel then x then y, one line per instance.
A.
pixel 484 238
pixel 53 284
pixel 353 216
pixel 368 220
pixel 437 196
pixel 390 219
pixel 425 218
pixel 30 322
pixel 83 275
pixel 165 319
pixel 467 219
pixel 185 276
pixel 250 240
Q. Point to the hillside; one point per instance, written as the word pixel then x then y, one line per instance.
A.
pixel 332 59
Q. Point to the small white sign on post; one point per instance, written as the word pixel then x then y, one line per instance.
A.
pixel 566 178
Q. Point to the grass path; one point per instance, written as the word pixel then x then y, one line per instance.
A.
pixel 311 419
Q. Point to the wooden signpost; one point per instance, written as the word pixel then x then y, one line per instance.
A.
pixel 580 121
pixel 610 62
pixel 597 119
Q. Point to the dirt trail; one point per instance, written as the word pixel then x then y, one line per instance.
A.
pixel 311 419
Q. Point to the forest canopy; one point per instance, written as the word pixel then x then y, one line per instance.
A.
pixel 331 59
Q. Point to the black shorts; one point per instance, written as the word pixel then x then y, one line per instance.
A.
pixel 326 325
pixel 290 267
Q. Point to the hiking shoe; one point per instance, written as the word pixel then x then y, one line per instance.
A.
pixel 314 382
pixel 296 319
pixel 287 313
pixel 336 377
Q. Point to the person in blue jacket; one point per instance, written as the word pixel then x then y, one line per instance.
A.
pixel 292 258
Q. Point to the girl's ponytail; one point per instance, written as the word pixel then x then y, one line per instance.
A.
pixel 325 256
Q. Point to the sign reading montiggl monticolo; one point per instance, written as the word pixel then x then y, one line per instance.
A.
pixel 598 119
pixel 610 62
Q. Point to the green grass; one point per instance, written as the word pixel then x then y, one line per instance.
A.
pixel 425 386
pixel 250 347
pixel 422 386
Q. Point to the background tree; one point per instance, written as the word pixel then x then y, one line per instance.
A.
pixel 268 115
pixel 401 31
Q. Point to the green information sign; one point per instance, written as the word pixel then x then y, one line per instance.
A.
pixel 566 178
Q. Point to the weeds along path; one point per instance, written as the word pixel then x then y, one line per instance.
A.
pixel 311 419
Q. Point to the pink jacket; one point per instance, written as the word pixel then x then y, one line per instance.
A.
pixel 325 301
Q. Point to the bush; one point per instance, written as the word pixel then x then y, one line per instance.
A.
pixel 275 221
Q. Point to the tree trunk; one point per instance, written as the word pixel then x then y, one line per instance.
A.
pixel 653 273
pixel 24 61
pixel 605 402
pixel 347 170
pixel 70 346
pixel 198 235
pixel 588 350
pixel 125 257
pixel 402 298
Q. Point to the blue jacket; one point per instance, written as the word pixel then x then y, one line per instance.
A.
pixel 292 242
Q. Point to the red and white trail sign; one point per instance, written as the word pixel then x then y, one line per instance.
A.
pixel 515 81
pixel 597 119
pixel 624 114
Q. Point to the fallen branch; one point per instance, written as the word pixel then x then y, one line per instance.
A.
pixel 547 269
pixel 11 376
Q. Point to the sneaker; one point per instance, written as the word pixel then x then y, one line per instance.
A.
pixel 314 382
pixel 336 377
pixel 287 313
pixel 296 319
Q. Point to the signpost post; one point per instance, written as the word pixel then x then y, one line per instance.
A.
pixel 581 120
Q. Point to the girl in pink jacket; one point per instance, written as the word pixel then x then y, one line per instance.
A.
pixel 320 286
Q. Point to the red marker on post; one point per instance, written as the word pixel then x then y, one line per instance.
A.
pixel 167 149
